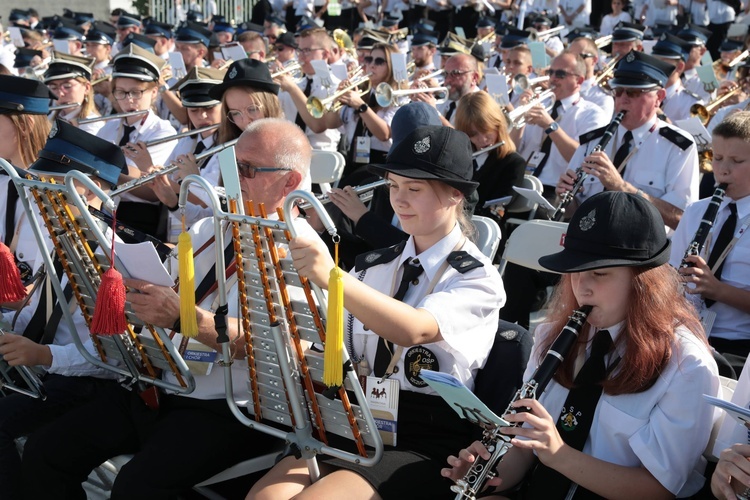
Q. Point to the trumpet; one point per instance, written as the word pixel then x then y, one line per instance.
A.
pixel 386 96
pixel 705 113
pixel 434 74
pixel 175 137
pixel 541 36
pixel 475 154
pixel 603 41
pixel 293 68
pixel 60 107
pixel 602 79
pixel 522 83
pixel 516 117
pixel 737 60
pixel 318 107
pixel 113 117
pixel 129 186
pixel 365 193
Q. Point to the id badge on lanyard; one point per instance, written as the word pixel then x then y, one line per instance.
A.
pixel 382 398
pixel 362 149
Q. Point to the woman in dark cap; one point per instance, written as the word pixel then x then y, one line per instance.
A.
pixel 24 105
pixel 633 422
pixel 442 316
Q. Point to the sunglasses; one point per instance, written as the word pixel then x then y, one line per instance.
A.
pixel 248 171
pixel 631 93
pixel 559 73
pixel 377 61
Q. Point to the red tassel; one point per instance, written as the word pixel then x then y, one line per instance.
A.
pixel 11 286
pixel 109 311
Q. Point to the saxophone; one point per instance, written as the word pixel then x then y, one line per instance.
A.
pixel 497 443
pixel 707 222
pixel 609 132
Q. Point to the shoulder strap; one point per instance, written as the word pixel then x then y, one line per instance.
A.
pixel 675 138
pixel 10 213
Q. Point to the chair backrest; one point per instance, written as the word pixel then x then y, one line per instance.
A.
pixel 522 204
pixel 727 391
pixel 532 240
pixel 326 168
pixel 488 235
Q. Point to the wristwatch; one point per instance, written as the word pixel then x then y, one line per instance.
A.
pixel 553 126
pixel 364 107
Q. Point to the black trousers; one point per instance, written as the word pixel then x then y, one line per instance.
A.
pixel 718 33
pixel 21 415
pixel 183 443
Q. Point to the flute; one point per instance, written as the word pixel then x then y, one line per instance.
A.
pixel 497 443
pixel 60 107
pixel 365 193
pixel 188 133
pixel 112 117
pixel 488 148
pixel 707 222
pixel 129 186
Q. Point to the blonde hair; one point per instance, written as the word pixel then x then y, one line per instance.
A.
pixel 268 101
pixel 479 112
pixel 88 107
pixel 32 132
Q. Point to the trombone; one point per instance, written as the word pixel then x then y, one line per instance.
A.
pixel 145 179
pixel 516 117
pixel 386 96
pixel 318 107
pixel 113 117
pixel 175 137
pixel 705 113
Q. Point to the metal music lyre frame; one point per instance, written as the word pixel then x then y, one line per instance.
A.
pixel 27 381
pixel 285 383
pixel 140 356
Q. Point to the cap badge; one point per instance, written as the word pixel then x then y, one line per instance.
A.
pixel 588 221
pixel 630 57
pixel 372 257
pixel 233 73
pixel 422 145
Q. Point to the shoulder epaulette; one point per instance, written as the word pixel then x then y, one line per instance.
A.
pixel 675 138
pixel 691 94
pixel 591 135
pixel 380 256
pixel 463 262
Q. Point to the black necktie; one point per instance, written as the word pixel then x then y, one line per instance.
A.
pixel 308 88
pixel 498 61
pixel 475 163
pixel 450 110
pixel 623 151
pixel 199 148
pixel 575 420
pixel 126 131
pixel 547 142
pixel 726 233
pixel 383 354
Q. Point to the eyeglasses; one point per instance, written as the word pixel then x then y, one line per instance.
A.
pixel 252 111
pixel 377 61
pixel 559 73
pixel 307 52
pixel 132 94
pixel 586 55
pixel 67 87
pixel 248 171
pixel 631 93
pixel 280 47
pixel 456 72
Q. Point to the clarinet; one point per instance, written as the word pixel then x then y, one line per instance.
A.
pixel 707 222
pixel 609 132
pixel 497 443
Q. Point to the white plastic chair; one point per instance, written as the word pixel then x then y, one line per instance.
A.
pixel 488 235
pixel 522 204
pixel 727 391
pixel 531 240
pixel 326 168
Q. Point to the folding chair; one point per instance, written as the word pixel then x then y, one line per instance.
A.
pixel 521 204
pixel 532 240
pixel 326 168
pixel 488 235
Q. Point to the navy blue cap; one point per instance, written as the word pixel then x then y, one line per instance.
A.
pixel 730 45
pixel 64 66
pixel 102 32
pixel 694 34
pixel 24 95
pixel 190 32
pixel 83 18
pixel 541 20
pixel 485 22
pixel 424 38
pixel 248 26
pixel 70 148
pixel 410 116
pixel 218 18
pixel 66 33
pixel 287 39
pixel 389 22
pixel 306 23
pixel 641 71
pixel 142 41
pixel 24 57
pixel 275 20
pixel 248 73
pixel 584 32
pixel 126 20
pixel 502 28
pixel 19 15
pixel 671 47
pixel 434 153
pixel 514 38
pixel 627 32
pixel 137 63
pixel 155 28
pixel 195 16
pixel 367 42
pixel 224 28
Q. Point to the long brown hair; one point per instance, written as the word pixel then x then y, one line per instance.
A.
pixel 656 307
pixel 478 111
pixel 32 132
pixel 268 101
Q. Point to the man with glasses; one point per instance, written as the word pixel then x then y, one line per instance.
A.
pixel 550 138
pixel 587 49
pixel 314 45
pixel 646 156
pixel 461 78
pixel 273 160
pixel 285 49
